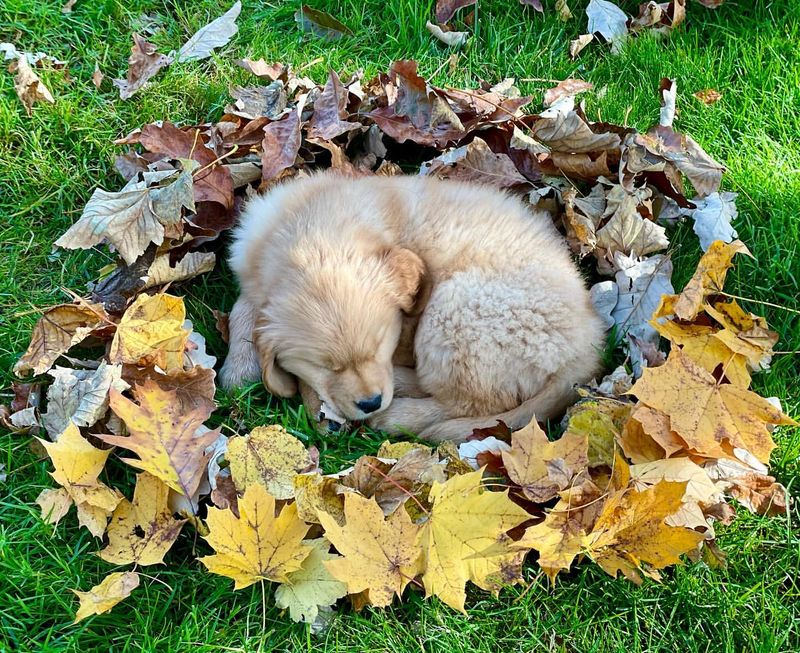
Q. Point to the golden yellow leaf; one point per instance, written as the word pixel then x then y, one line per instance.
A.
pixel 600 421
pixel 142 531
pixel 256 546
pixel 269 456
pixel 647 436
pixel 59 329
pixel 101 598
pixel 707 414
pixel 379 554
pixel 744 333
pixel 465 539
pixel 631 530
pixel 559 538
pixel 151 333
pixel 314 493
pixel 543 468
pixel 398 449
pixel 77 465
pixel 312 586
pixel 708 348
pixel 55 503
pixel 708 278
pixel 168 441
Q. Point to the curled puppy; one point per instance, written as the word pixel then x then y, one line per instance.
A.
pixel 413 303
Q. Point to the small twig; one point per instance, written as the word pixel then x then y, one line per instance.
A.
pixel 214 162
pixel 541 79
pixel 399 487
pixel 157 580
pixel 311 63
pixel 757 301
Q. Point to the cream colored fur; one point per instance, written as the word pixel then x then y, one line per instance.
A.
pixel 491 316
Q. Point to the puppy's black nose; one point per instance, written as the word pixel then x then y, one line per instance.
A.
pixel 370 405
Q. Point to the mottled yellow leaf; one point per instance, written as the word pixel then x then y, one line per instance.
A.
pixel 706 414
pixel 142 531
pixel 269 456
pixel 543 468
pixel 600 421
pixel 312 586
pixel 464 522
pixel 151 333
pixel 256 546
pixel 55 503
pixel 169 442
pixel 315 493
pixel 101 598
pixel 379 554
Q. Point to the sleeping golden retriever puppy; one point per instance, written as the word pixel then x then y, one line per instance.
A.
pixel 413 303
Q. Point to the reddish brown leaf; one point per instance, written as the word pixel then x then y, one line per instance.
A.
pixel 446 9
pixel 280 145
pixel 328 120
pixel 143 64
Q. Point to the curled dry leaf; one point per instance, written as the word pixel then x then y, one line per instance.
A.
pixel 477 163
pixel 608 20
pixel 102 597
pixel 142 531
pixel 268 456
pixel 193 264
pixel 258 545
pixel 567 87
pixel 58 330
pixel 755 490
pixel 97 77
pixel 577 45
pixel 143 64
pixel 30 89
pixel 330 111
pixel 166 440
pixel 209 37
pixel 451 38
pixel 312 587
pixel 446 9
pixel 708 96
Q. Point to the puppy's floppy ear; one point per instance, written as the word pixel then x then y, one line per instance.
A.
pixel 278 381
pixel 409 279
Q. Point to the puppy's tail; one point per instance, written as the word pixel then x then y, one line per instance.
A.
pixel 241 365
pixel 551 401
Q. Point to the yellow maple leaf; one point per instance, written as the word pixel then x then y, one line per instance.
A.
pixel 142 531
pixel 543 468
pixel 270 456
pixel 559 538
pixel 648 436
pixel 708 278
pixel 315 493
pixel 59 329
pixel 744 333
pixel 102 597
pixel 706 414
pixel 312 586
pixel 632 529
pixel 258 545
pixel 379 554
pixel 168 441
pixel 77 465
pixel 465 539
pixel 151 333
pixel 708 347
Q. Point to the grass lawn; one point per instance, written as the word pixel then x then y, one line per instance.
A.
pixel 51 162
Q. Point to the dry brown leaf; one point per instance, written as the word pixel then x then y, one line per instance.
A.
pixel 193 264
pixel 280 145
pixel 756 491
pixel 565 88
pixel 708 96
pixel 97 77
pixel 111 590
pixel 262 69
pixel 58 330
pixel 168 442
pixel 142 531
pixel 320 23
pixel 577 45
pixel 477 163
pixel 330 111
pixel 708 415
pixel 143 64
pixel 378 554
pixel 543 468
pixel 446 9
pixel 257 545
pixel 562 129
pixel 30 89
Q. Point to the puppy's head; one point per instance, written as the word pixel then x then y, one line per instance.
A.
pixel 335 323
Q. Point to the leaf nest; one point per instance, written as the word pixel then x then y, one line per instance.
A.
pixel 643 465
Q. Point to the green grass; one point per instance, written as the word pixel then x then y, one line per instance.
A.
pixel 51 162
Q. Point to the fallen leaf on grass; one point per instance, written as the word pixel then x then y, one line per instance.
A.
pixel 475 162
pixel 713 217
pixel 312 587
pixel 166 440
pixel 97 77
pixel 30 89
pixel 706 414
pixel 565 88
pixel 209 37
pixel 755 490
pixel 632 529
pixel 262 69
pixel 257 545
pixel 143 64
pixel 102 597
pixel 141 532
pixel 446 9
pixel 320 24
pixel 543 468
pixel 708 96
pixel 58 330
pixel 577 45
pixel 451 38
pixel 268 456
pixel 608 20
pixel 464 522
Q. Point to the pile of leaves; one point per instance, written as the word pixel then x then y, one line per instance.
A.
pixel 644 465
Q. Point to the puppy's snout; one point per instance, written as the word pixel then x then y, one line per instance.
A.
pixel 370 405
